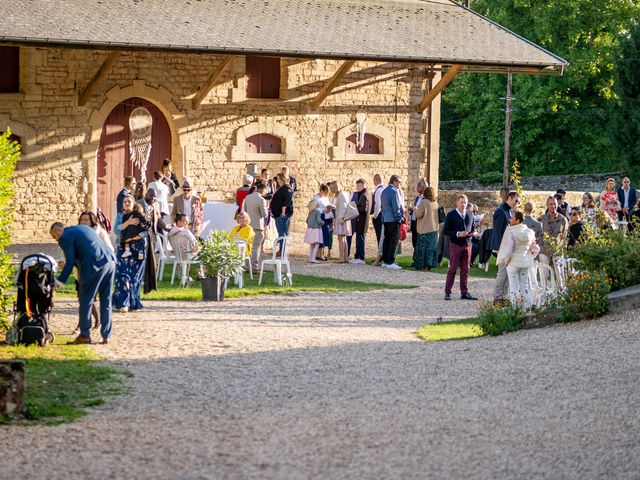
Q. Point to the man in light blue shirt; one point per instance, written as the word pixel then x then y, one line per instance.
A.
pixel 392 217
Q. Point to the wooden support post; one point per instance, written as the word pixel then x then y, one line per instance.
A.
pixel 100 75
pixel 211 81
pixel 435 91
pixel 331 83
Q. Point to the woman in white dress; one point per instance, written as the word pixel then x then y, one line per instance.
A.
pixel 341 228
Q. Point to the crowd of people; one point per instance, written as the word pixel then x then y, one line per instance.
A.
pixel 146 220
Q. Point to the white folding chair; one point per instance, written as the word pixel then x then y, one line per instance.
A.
pixel 243 247
pixel 547 280
pixel 184 263
pixel 279 260
pixel 164 256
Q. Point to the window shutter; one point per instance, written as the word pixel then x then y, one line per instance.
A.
pixel 263 77
pixel 10 71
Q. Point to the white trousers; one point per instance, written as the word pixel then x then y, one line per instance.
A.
pixel 519 288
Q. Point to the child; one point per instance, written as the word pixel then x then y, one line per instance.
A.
pixel 132 231
pixel 313 236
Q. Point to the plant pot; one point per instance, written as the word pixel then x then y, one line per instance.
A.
pixel 213 288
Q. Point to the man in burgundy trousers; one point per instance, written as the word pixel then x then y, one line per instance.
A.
pixel 459 227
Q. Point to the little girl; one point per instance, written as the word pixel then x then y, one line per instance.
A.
pixel 313 236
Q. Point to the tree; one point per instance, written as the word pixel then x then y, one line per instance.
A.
pixel 557 123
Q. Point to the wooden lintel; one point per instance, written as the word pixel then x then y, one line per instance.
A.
pixel 331 83
pixel 100 75
pixel 211 81
pixel 438 87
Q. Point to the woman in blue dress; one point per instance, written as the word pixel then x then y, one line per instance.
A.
pixel 130 269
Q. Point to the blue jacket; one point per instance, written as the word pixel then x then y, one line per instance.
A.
pixel 391 210
pixel 633 197
pixel 501 218
pixel 454 223
pixel 83 248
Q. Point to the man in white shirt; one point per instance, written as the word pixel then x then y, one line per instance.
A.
pixel 376 205
pixel 162 194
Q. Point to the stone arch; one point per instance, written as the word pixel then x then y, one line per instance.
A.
pixel 384 136
pixel 26 133
pixel 290 150
pixel 160 97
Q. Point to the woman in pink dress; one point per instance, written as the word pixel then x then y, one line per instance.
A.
pixel 609 201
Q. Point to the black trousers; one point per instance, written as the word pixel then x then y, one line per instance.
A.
pixel 391 237
pixel 377 226
pixel 414 234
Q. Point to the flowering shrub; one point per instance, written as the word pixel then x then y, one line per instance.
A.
pixel 498 320
pixel 586 296
pixel 9 154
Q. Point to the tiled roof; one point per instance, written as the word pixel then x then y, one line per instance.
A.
pixel 430 31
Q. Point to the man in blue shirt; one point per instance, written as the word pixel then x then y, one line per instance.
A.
pixel 83 248
pixel 392 217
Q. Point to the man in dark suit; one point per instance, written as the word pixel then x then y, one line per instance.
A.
pixel 628 199
pixel 83 248
pixel 501 218
pixel 460 228
pixel 361 223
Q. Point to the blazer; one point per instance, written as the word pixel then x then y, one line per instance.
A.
pixel 536 226
pixel 341 201
pixel 633 197
pixel 361 224
pixel 195 214
pixel 256 206
pixel 83 248
pixel 454 223
pixel 427 217
pixel 391 209
pixel 501 218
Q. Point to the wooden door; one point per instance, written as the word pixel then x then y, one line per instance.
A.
pixel 114 162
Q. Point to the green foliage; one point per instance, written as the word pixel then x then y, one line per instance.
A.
pixel 219 255
pixel 9 154
pixel 63 381
pixel 498 320
pixel 614 254
pixel 489 178
pixel 586 296
pixel 557 122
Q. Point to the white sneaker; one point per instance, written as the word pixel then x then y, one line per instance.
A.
pixel 314 261
pixel 357 261
pixel 384 265
pixel 394 266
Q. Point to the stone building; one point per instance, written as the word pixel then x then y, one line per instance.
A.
pixel 215 86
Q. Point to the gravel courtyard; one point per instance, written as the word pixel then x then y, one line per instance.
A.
pixel 337 386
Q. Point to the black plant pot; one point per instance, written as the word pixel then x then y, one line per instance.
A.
pixel 213 288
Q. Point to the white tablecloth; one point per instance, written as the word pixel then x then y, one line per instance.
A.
pixel 217 216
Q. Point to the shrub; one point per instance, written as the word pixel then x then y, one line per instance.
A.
pixel 489 178
pixel 498 320
pixel 586 296
pixel 219 255
pixel 612 253
pixel 9 154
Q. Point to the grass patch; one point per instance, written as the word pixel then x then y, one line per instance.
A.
pixel 451 330
pixel 63 381
pixel 406 261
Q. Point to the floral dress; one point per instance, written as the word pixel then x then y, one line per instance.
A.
pixel 129 275
pixel 609 202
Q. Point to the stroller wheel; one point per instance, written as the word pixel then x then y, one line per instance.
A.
pixel 12 336
pixel 42 342
pixel 50 337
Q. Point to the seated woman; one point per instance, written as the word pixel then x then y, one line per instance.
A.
pixel 243 230
pixel 130 270
pixel 184 238
pixel 517 251
pixel 576 227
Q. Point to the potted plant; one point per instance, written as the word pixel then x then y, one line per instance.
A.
pixel 220 259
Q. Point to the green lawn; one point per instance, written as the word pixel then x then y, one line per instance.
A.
pixel 450 330
pixel 405 262
pixel 64 380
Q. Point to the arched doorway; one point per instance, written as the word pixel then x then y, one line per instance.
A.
pixel 114 157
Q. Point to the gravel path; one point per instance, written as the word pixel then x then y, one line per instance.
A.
pixel 337 386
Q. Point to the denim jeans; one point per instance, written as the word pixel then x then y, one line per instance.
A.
pixel 282 225
pixel 360 242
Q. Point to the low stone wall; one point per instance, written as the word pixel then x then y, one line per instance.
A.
pixel 488 201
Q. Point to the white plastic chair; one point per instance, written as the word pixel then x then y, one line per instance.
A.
pixel 164 256
pixel 279 260
pixel 547 280
pixel 184 263
pixel 238 277
pixel 243 246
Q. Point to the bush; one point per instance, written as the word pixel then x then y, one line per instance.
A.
pixel 219 255
pixel 490 178
pixel 586 296
pixel 498 320
pixel 612 253
pixel 9 154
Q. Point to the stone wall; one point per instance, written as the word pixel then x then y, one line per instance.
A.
pixel 56 178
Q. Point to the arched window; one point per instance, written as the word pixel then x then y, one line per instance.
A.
pixel 371 145
pixel 263 143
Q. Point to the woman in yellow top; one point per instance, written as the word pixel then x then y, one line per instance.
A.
pixel 243 230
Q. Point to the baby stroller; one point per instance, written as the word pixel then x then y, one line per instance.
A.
pixel 35 282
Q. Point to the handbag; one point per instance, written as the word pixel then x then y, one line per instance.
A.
pixel 351 212
pixel 442 215
pixel 403 231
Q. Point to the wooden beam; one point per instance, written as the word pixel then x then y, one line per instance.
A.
pixel 100 75
pixel 211 81
pixel 331 83
pixel 438 87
